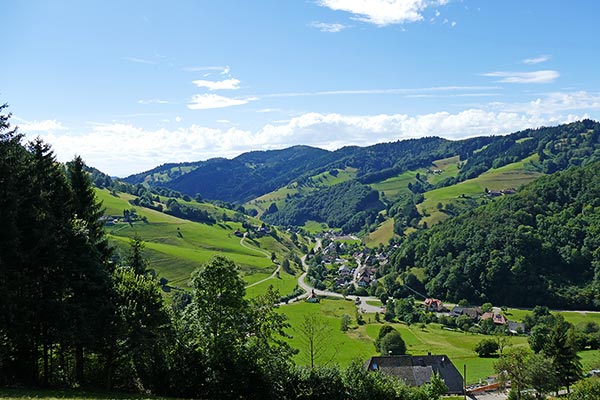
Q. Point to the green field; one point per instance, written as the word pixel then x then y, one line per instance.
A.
pixel 383 234
pixel 358 342
pixel 341 348
pixel 509 176
pixel 458 346
pixel 175 247
pixel 391 188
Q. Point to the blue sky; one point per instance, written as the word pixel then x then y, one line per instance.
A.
pixel 130 85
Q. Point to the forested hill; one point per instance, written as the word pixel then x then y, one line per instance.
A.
pixel 253 174
pixel 540 246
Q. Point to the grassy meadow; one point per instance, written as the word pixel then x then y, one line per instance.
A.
pixel 175 247
pixel 341 348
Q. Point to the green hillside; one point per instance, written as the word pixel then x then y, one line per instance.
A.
pixel 175 247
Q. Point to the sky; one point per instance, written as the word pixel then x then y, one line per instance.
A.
pixel 130 85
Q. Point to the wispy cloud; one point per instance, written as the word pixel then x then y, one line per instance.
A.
pixel 47 125
pixel 227 84
pixel 554 103
pixel 536 60
pixel 328 27
pixel 547 76
pixel 383 12
pixel 140 60
pixel 209 101
pixel 401 91
pixel 222 69
pixel 153 101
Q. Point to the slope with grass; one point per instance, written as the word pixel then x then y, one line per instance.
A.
pixel 174 246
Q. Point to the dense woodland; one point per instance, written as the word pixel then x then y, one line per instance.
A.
pixel 76 314
pixel 347 205
pixel 540 246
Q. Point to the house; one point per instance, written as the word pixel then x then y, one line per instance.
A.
pixel 434 305
pixel 473 312
pixel 498 319
pixel 515 327
pixel 344 270
pixel 418 370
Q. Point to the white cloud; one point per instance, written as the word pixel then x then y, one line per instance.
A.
pixel 207 101
pixel 41 126
pixel 383 12
pixel 546 76
pixel 227 84
pixel 328 27
pixel 178 119
pixel 536 60
pixel 453 24
pixel 330 131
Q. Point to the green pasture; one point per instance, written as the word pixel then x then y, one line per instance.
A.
pixel 340 348
pixel 383 234
pixel 449 168
pixel 284 284
pixel 509 176
pixel 314 227
pixel 458 346
pixel 326 179
pixel 392 187
pixel 358 341
pixel 175 247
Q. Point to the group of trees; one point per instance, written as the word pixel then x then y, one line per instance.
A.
pixel 348 205
pixel 539 246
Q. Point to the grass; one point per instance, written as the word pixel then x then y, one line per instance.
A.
pixel 383 234
pixel 340 348
pixel 315 227
pixel 391 188
pixel 358 342
pixel 285 284
pixel 458 346
pixel 175 247
pixel 509 176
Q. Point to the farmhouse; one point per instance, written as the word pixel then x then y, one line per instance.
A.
pixel 473 312
pixel 498 319
pixel 418 370
pixel 434 305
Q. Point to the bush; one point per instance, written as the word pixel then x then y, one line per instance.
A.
pixel 486 348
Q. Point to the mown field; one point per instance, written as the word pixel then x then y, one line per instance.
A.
pixel 341 348
pixel 175 247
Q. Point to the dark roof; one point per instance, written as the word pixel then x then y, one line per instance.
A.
pixel 418 370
